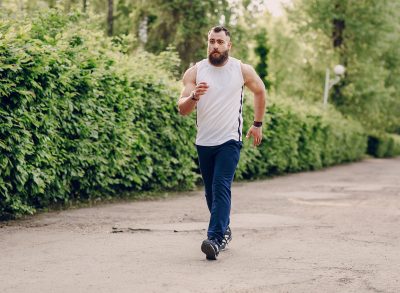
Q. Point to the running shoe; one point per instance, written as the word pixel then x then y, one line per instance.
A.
pixel 227 238
pixel 211 249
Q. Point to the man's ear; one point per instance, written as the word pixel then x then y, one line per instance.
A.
pixel 229 45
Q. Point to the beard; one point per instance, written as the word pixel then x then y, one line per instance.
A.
pixel 218 60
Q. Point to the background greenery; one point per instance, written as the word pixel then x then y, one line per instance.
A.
pixel 79 119
pixel 88 102
pixel 291 52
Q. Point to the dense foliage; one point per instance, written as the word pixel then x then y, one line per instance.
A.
pixel 291 53
pixel 301 138
pixel 80 119
pixel 383 145
pixel 363 36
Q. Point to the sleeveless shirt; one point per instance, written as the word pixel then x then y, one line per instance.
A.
pixel 219 111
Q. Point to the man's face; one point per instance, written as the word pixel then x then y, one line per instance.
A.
pixel 218 48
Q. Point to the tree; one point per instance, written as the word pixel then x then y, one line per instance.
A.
pixel 110 17
pixel 180 23
pixel 262 51
pixel 359 38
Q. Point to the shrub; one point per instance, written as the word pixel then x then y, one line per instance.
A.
pixel 78 123
pixel 300 139
pixel 383 145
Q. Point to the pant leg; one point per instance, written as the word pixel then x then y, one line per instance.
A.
pixel 226 160
pixel 206 161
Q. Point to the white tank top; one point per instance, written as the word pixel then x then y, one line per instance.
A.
pixel 219 111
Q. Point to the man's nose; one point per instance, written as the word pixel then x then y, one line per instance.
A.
pixel 215 47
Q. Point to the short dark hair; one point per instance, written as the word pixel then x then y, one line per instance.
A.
pixel 219 28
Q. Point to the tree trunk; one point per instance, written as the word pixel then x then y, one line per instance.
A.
pixel 338 27
pixel 337 35
pixel 110 17
pixel 84 5
pixel 338 42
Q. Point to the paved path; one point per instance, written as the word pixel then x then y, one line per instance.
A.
pixel 335 230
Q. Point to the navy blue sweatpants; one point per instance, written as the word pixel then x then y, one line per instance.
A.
pixel 217 166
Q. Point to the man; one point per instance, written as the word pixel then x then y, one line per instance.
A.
pixel 214 86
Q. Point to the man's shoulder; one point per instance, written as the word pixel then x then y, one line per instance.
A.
pixel 246 67
pixel 190 74
pixel 203 63
pixel 243 66
pixel 248 72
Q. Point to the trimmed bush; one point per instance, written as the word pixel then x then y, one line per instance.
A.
pixel 78 120
pixel 300 139
pixel 383 145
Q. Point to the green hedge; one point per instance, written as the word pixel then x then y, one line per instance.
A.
pixel 383 145
pixel 77 123
pixel 81 119
pixel 300 139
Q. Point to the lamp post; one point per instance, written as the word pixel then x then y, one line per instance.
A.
pixel 339 71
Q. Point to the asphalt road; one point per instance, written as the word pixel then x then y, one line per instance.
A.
pixel 335 230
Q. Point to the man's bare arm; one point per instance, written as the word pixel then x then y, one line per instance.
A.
pixel 254 83
pixel 191 93
pixel 185 103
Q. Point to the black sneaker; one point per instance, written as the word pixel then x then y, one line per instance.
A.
pixel 210 248
pixel 227 238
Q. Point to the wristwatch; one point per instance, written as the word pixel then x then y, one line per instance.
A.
pixel 257 124
pixel 192 97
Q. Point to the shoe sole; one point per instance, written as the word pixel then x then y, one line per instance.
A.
pixel 209 251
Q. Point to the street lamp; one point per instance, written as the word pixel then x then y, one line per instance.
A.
pixel 339 71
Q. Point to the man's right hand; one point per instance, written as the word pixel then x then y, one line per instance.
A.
pixel 200 89
pixel 191 92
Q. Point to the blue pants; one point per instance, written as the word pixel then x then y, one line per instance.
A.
pixel 217 166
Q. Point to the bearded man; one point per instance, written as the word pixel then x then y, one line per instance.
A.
pixel 214 87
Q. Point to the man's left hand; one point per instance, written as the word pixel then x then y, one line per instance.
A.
pixel 256 133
